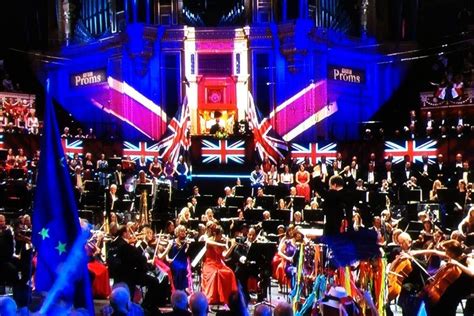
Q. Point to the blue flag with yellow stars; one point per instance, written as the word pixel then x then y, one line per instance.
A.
pixel 55 220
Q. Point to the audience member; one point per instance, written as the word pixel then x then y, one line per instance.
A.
pixel 7 306
pixel 283 309
pixel 198 304
pixel 262 310
pixel 179 302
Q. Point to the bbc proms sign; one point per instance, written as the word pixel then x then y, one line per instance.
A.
pixel 346 74
pixel 88 78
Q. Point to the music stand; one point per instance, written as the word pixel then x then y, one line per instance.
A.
pixel 195 250
pixel 378 198
pixel 362 196
pixel 113 162
pixel 270 226
pixel 124 205
pixel 236 201
pixel 410 196
pixel 142 187
pixel 254 215
pixel 446 195
pixel 313 216
pixel 16 173
pixel 282 214
pixel 205 200
pixel 298 202
pixel 203 203
pixel 241 190
pixel 3 154
pixel 275 190
pixel 91 186
pixel 232 211
pixel 266 202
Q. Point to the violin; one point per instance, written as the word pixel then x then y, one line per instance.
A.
pixel 396 276
pixel 445 276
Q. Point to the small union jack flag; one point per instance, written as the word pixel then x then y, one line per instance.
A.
pixel 177 138
pixel 267 141
pixel 223 151
pixel 135 151
pixel 72 146
pixel 314 151
pixel 411 148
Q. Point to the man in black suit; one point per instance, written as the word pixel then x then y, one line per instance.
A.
pixel 214 128
pixel 439 170
pixel 405 174
pixel 9 274
pixel 130 267
pixel 111 200
pixel 425 178
pixel 337 210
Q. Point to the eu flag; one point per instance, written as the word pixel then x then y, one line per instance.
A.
pixel 56 225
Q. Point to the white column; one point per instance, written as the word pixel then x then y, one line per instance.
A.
pixel 241 70
pixel 190 73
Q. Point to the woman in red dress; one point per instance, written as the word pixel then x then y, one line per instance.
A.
pixel 302 178
pixel 218 280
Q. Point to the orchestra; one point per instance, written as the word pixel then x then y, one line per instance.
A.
pixel 206 248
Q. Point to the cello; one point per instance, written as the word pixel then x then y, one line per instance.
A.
pixel 397 274
pixel 445 276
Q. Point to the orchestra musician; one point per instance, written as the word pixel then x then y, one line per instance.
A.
pixel 286 177
pixel 9 273
pixel 453 282
pixel 466 227
pixel 257 178
pixel 155 251
pixel 217 279
pixel 243 268
pixel 155 168
pixel 111 200
pixel 132 270
pixel 336 209
pixel 405 278
pixel 24 247
pixel 179 261
pixel 302 178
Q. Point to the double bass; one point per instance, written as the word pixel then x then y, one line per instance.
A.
pixel 397 274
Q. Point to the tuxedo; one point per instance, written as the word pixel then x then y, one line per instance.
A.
pixel 118 178
pixel 425 178
pixel 338 166
pixel 130 266
pixel 391 176
pixel 336 208
pixel 464 174
pixel 405 175
pixel 439 172
pixel 111 202
pixel 371 178
pixel 326 168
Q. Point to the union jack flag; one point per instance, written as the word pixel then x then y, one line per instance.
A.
pixel 302 111
pixel 314 151
pixel 1 141
pixel 223 151
pixel 135 151
pixel 177 138
pixel 267 141
pixel 411 148
pixel 72 146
